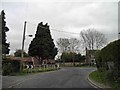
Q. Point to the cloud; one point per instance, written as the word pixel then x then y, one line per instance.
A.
pixel 64 16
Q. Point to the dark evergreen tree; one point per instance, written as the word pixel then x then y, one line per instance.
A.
pixel 42 46
pixel 18 53
pixel 68 57
pixel 5 45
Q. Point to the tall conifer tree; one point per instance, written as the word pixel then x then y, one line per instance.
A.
pixel 5 45
pixel 42 46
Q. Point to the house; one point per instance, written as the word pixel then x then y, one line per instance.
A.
pixel 49 63
pixel 90 57
pixel 32 61
pixel 25 60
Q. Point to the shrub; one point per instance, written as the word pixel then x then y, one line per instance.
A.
pixel 10 66
pixel 7 69
pixel 110 53
pixel 113 74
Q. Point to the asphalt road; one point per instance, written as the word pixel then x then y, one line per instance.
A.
pixel 69 77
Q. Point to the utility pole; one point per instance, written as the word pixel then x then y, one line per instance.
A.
pixel 23 45
pixel 119 35
pixel 23 39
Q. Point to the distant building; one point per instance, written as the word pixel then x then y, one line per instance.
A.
pixel 32 61
pixel 90 56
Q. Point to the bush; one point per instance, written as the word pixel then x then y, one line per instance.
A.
pixel 7 69
pixel 10 66
pixel 113 75
pixel 110 53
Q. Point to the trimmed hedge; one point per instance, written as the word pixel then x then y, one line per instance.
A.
pixel 110 53
pixel 10 66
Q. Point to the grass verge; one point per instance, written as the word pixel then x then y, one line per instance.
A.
pixel 100 77
pixel 33 71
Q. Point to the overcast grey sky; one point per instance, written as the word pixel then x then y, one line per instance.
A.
pixel 64 15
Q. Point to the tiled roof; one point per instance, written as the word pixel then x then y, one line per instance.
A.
pixel 28 59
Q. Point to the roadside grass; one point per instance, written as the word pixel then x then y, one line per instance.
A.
pixel 100 77
pixel 33 71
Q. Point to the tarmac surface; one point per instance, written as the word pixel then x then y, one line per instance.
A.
pixel 67 77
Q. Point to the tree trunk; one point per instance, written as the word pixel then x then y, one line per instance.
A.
pixel 39 59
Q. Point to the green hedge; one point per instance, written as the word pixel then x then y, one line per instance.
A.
pixel 10 66
pixel 110 53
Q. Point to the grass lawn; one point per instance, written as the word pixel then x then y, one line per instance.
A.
pixel 32 71
pixel 99 77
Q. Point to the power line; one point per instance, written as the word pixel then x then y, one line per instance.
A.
pixel 67 32
pixel 57 30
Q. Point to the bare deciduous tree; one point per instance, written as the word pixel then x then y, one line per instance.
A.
pixel 68 45
pixel 74 45
pixel 93 39
pixel 63 44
